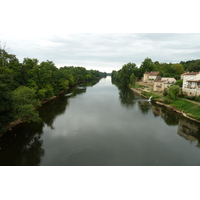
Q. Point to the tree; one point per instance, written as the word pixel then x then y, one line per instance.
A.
pixel 125 73
pixel 146 66
pixel 179 82
pixel 174 91
pixel 25 104
pixel 3 55
pixel 29 70
pixel 7 85
pixel 46 72
pixel 178 68
pixel 194 66
pixel 132 79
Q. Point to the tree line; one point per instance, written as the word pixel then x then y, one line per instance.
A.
pixel 130 72
pixel 24 86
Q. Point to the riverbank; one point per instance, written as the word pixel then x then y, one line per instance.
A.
pixel 11 125
pixel 172 105
pixel 18 121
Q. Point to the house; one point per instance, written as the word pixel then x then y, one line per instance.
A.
pixel 161 83
pixel 150 76
pixel 191 83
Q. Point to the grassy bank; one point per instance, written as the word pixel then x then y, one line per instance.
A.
pixel 191 109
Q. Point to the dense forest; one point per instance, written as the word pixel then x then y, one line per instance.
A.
pixel 129 72
pixel 24 86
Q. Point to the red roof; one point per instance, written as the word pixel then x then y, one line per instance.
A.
pixel 152 73
pixel 190 73
pixel 197 81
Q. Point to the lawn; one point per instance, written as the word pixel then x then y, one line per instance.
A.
pixel 189 108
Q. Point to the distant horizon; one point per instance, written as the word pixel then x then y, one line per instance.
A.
pixel 105 51
pixel 90 68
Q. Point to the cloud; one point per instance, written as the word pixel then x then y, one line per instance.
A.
pixel 57 31
pixel 107 51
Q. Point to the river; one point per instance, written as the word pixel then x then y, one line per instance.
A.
pixel 102 125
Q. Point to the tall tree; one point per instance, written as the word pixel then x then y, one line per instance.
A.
pixel 132 79
pixel 178 68
pixel 25 104
pixel 146 66
pixel 174 91
pixel 126 73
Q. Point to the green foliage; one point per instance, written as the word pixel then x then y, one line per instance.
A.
pixel 146 66
pixel 122 76
pixel 182 104
pixel 23 85
pixel 197 98
pixel 174 91
pixel 193 98
pixel 7 85
pixel 166 101
pixel 191 65
pixel 187 107
pixel 178 68
pixel 64 85
pixel 179 82
pixel 42 94
pixel 25 104
pixel 165 92
pixel 32 84
pixel 139 86
pixel 132 79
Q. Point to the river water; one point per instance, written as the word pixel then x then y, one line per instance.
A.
pixel 102 125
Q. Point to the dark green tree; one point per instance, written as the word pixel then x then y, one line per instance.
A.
pixel 174 91
pixel 132 79
pixel 146 66
pixel 25 104
pixel 126 72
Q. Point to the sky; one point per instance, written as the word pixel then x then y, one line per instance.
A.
pixel 100 35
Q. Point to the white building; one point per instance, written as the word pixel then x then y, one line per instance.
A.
pixel 150 76
pixel 161 83
pixel 191 83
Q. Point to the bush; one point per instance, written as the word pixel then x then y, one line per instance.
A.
pixel 182 95
pixel 165 92
pixel 145 93
pixel 191 97
pixel 166 101
pixel 179 82
pixel 197 98
pixel 174 91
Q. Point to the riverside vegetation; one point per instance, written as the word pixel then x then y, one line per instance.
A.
pixel 25 86
pixel 173 98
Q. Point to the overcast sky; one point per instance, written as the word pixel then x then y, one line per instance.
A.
pixel 95 34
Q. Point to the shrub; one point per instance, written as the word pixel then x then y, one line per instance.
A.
pixel 174 91
pixel 182 95
pixel 197 98
pixel 191 97
pixel 179 82
pixel 165 92
pixel 166 101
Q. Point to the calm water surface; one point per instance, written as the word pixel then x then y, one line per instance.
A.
pixel 102 125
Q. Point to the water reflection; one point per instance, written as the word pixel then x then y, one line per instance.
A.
pixel 169 118
pixel 103 125
pixel 59 105
pixel 145 106
pixel 189 130
pixel 49 111
pixel 23 146
pixel 126 96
